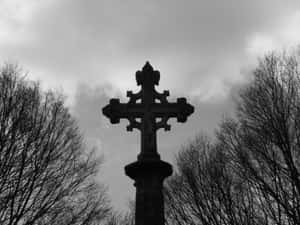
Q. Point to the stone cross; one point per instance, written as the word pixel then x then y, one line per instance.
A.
pixel 148 111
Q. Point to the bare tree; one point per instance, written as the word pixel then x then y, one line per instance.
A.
pixel 205 190
pixel 251 173
pixel 46 176
pixel 123 218
pixel 263 142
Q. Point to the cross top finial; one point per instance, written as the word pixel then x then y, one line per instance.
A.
pixel 147 75
pixel 147 66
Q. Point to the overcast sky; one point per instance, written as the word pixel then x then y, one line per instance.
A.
pixel 91 49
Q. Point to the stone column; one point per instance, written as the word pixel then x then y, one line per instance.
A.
pixel 149 177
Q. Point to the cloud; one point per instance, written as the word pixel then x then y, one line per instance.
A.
pixel 197 45
pixel 283 37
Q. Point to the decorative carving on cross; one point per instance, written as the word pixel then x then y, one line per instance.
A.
pixel 148 111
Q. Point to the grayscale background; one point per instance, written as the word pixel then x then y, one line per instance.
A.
pixel 90 50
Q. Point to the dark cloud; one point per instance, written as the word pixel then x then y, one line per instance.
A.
pixel 106 41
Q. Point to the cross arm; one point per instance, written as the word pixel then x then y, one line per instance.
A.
pixel 116 111
pixel 180 110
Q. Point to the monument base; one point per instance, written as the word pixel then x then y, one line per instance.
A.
pixel 149 176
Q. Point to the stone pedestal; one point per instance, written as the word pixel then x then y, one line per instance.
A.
pixel 149 176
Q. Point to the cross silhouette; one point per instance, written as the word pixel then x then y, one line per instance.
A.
pixel 148 111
